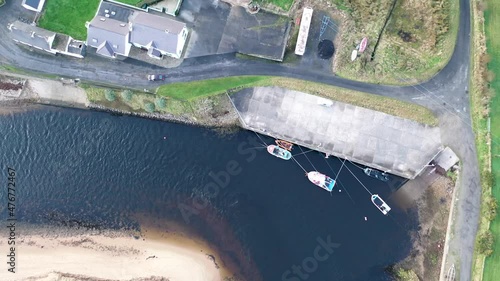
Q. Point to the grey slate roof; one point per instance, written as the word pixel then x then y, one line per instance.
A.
pixel 32 35
pixel 32 3
pixel 446 159
pixel 121 13
pixel 76 47
pixel 162 32
pixel 110 34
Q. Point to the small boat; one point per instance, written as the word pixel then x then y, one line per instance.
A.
pixel 284 144
pixel 362 45
pixel 354 55
pixel 376 174
pixel 321 180
pixel 380 204
pixel 279 152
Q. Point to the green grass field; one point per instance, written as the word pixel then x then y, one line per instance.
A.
pixel 196 89
pixel 492 26
pixel 283 4
pixel 192 90
pixel 68 16
pixel 417 42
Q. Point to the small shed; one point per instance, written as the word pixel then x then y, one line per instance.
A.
pixel 445 160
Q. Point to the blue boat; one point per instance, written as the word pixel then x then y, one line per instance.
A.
pixel 279 152
pixel 376 174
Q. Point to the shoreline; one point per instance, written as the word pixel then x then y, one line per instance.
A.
pixel 67 94
pixel 432 206
pixel 58 253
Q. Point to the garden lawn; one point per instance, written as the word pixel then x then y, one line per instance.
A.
pixel 492 25
pixel 283 4
pixel 68 16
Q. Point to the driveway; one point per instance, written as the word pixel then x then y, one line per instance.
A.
pixel 445 94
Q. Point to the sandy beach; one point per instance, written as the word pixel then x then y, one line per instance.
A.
pixel 110 256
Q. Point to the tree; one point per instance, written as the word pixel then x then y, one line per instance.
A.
pixel 110 95
pixel 149 107
pixel 127 95
pixel 161 103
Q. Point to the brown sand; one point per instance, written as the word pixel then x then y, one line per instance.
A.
pixel 110 256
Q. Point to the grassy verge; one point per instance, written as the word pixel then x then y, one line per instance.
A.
pixel 134 101
pixel 192 90
pixel 491 269
pixel 68 16
pixel 283 4
pixel 16 70
pixel 417 42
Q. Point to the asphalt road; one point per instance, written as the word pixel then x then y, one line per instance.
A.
pixel 445 94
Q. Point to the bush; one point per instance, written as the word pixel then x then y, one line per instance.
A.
pixel 110 95
pixel 485 243
pixel 491 208
pixel 489 179
pixel 161 103
pixel 406 275
pixel 127 95
pixel 452 175
pixel 149 107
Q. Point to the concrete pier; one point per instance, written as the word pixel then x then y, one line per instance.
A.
pixel 388 143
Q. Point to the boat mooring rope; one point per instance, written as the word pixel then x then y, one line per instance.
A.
pixel 307 158
pixel 355 164
pixel 343 163
pixel 303 152
pixel 299 165
pixel 358 179
pixel 336 176
pixel 264 143
pixel 257 147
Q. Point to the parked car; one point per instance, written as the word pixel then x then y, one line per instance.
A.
pixel 156 77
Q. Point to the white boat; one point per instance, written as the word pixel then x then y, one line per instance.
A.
pixel 321 180
pixel 354 55
pixel 380 204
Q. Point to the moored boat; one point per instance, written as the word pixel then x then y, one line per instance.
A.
pixel 354 55
pixel 284 144
pixel 362 45
pixel 376 174
pixel 279 152
pixel 321 180
pixel 380 204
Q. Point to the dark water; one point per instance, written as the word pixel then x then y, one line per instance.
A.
pixel 89 168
